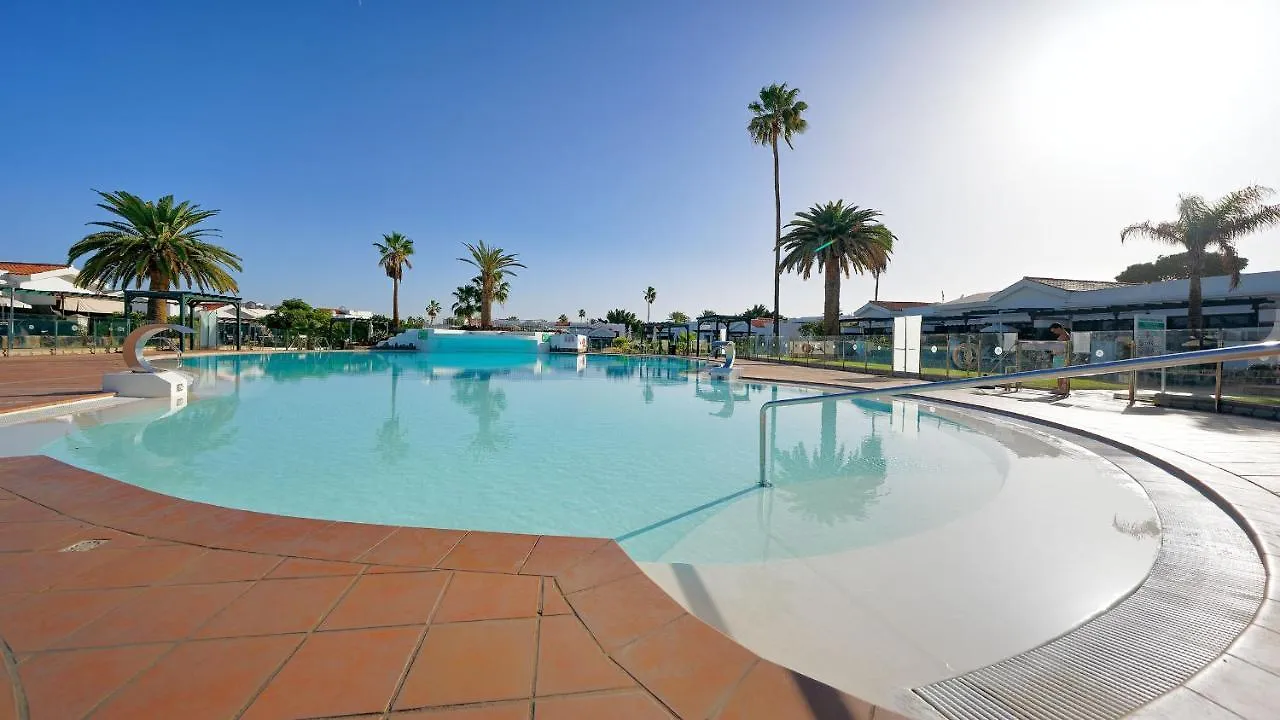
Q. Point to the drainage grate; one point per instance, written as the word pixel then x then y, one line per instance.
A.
pixel 1204 588
pixel 83 545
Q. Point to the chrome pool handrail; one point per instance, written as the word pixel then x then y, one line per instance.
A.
pixel 1155 362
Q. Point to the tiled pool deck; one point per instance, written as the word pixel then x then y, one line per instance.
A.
pixel 196 611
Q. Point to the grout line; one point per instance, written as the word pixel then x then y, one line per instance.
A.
pixel 525 560
pixel 417 648
pixel 727 694
pixel 10 664
pixel 305 637
pixel 614 660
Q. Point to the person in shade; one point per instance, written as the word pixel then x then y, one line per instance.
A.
pixel 1060 358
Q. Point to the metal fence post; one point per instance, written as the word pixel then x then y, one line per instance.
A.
pixel 1217 388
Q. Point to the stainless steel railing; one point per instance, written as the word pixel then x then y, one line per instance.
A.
pixel 1155 362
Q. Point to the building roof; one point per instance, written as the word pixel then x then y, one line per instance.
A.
pixel 898 304
pixel 26 268
pixel 1077 285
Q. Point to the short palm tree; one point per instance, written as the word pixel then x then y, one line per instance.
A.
pixel 649 296
pixel 839 239
pixel 1203 226
pixel 678 317
pixel 433 310
pixel 466 302
pixel 494 264
pixel 777 115
pixel 393 256
pixel 157 242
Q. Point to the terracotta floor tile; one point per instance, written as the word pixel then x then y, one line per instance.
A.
pixel 8 704
pixel 497 711
pixel 300 567
pixel 554 554
pixel 341 541
pixel 26 511
pixel 135 566
pixel 49 535
pixel 210 679
pixel 216 526
pixel 70 684
pixel 614 706
pixel 622 611
pixel 771 691
pixel 488 596
pixel 40 621
pixel 158 614
pixel 337 673
pixel 31 572
pixel 273 534
pixel 607 563
pixel 278 606
pixel 224 566
pixel 490 552
pixel 687 664
pixel 553 603
pixel 420 547
pixel 472 662
pixel 569 661
pixel 393 599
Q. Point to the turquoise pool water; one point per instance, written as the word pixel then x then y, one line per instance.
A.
pixel 645 450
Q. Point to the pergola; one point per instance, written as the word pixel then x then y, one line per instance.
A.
pixel 652 330
pixel 187 301
pixel 716 321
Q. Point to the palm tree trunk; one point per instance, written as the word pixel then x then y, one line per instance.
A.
pixel 395 302
pixel 486 306
pixel 876 296
pixel 777 244
pixel 1195 320
pixel 831 301
pixel 157 308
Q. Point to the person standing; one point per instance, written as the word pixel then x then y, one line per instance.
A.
pixel 1060 357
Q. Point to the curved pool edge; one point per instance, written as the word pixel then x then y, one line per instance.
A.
pixel 1227 679
pixel 647 641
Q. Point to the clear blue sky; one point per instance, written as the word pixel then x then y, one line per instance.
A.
pixel 605 142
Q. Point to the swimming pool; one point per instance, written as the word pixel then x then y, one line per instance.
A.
pixel 642 449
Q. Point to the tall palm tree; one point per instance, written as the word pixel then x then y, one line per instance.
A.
pixel 582 315
pixel 838 238
pixel 649 296
pixel 1203 226
pixel 433 309
pixel 777 115
pixel 466 302
pixel 494 264
pixel 158 242
pixel 394 252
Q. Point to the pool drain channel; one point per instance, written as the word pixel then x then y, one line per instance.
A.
pixel 83 545
pixel 1204 588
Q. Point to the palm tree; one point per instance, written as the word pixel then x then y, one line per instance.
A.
pixel 756 311
pixel 494 265
pixel 157 242
pixel 394 252
pixel 433 309
pixel 563 319
pixel 777 114
pixel 582 315
pixel 678 317
pixel 466 302
pixel 1203 226
pixel 839 238
pixel 649 296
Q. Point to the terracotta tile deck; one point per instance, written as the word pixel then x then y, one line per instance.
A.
pixel 195 611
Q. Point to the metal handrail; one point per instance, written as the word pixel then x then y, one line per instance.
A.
pixel 1155 362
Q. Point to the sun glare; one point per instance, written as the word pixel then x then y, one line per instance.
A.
pixel 1139 74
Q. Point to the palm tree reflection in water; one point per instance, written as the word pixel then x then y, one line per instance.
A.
pixel 832 484
pixel 472 390
pixel 390 439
